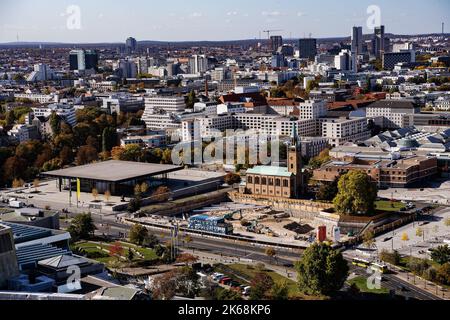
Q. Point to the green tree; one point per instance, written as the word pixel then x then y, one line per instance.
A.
pixel 356 195
pixel 279 291
pixel 328 191
pixel 393 258
pixel 191 100
pixel 320 160
pixel 261 285
pixel 130 255
pixel 138 234
pixel 321 271
pixel 228 295
pixel 55 123
pixel 109 139
pixel 441 254
pixel 82 227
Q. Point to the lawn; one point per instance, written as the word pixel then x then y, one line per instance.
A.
pixel 361 283
pixel 250 271
pixel 91 247
pixel 384 205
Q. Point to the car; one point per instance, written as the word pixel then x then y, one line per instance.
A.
pixel 246 291
pixel 402 288
pixel 225 280
pixel 234 284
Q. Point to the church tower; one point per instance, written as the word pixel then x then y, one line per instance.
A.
pixel 295 164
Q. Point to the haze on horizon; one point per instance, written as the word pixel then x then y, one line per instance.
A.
pixel 195 20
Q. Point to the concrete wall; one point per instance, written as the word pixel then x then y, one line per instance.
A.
pixel 8 260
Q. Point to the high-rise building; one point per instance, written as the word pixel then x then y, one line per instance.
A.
pixel 357 40
pixel 198 64
pixel 275 42
pixel 83 60
pixel 127 69
pixel 344 61
pixel 307 48
pixel 380 44
pixel 130 45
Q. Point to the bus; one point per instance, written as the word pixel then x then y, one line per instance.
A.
pixel 375 266
pixel 359 262
pixel 379 267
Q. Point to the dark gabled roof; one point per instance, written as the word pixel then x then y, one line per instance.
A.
pixel 398 104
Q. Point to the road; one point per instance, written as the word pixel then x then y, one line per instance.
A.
pixel 286 258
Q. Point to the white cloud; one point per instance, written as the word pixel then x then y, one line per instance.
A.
pixel 196 15
pixel 301 14
pixel 232 13
pixel 271 13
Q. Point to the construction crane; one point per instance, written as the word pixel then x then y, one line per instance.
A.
pixel 270 31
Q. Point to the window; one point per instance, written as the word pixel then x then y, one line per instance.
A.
pixel 286 183
pixel 264 181
pixel 277 182
pixel 270 182
pixel 250 180
pixel 257 181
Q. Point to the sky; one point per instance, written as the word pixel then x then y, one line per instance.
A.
pixel 89 21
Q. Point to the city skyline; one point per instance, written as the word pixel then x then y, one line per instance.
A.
pixel 198 21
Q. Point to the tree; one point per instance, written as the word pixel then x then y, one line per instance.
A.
pixel 95 194
pixel 232 178
pixel 109 139
pixel 441 254
pixel 419 232
pixel 138 234
pixel 405 237
pixel 187 259
pixel 321 271
pixel 271 253
pixel 144 188
pixel 369 239
pixel 116 250
pixel 447 222
pixel 356 195
pixel 36 184
pixel 151 241
pixel 320 160
pixel 134 205
pixel 82 227
pixel 279 291
pixel 161 194
pixel 86 154
pixel 328 191
pixel 191 100
pixel 107 195
pixel 228 295
pixel 18 183
pixel 261 284
pixel 55 123
pixel 443 274
pixel 393 258
pixel 130 255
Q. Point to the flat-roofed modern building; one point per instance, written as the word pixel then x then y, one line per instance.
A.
pixel 8 260
pixel 117 177
pixel 385 173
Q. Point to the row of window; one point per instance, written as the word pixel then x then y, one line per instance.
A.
pixel 269 181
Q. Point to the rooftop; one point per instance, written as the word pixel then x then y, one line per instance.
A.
pixel 270 171
pixel 114 171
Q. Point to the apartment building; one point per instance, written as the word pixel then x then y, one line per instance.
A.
pixel 65 111
pixel 339 131
pixel 393 112
pixel 385 173
pixel 312 109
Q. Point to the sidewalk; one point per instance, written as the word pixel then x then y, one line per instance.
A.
pixel 436 290
pixel 214 258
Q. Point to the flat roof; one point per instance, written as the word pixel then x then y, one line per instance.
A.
pixel 114 171
pixel 270 171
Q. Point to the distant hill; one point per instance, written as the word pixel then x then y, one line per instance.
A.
pixel 151 43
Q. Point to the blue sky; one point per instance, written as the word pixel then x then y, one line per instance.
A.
pixel 174 20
